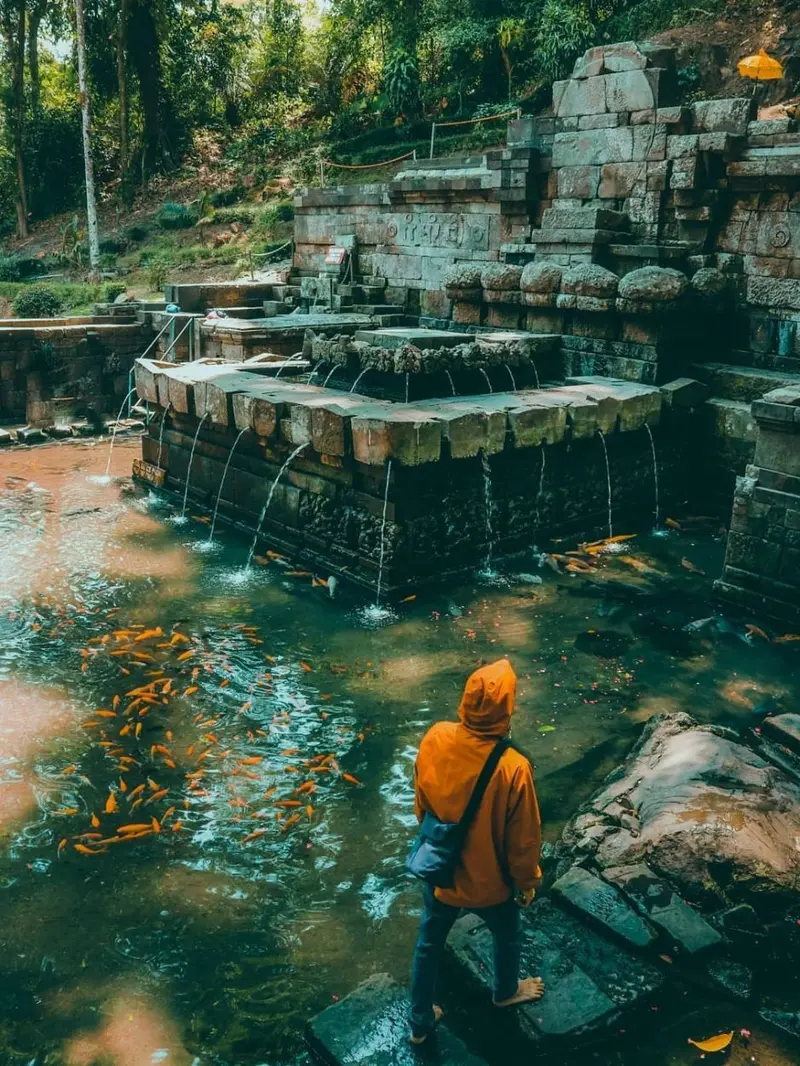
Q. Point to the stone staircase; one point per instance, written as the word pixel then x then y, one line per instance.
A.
pixel 363 295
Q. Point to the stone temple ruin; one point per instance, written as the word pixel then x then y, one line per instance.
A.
pixel 596 323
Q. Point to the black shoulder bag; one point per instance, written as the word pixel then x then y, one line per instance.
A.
pixel 437 849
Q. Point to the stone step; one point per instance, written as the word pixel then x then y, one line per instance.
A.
pixel 742 383
pixel 591 982
pixel 732 419
pixel 377 309
pixel 390 321
pixel 370 1027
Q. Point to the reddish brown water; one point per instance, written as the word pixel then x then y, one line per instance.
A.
pixel 198 945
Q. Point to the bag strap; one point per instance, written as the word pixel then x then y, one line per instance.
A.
pixel 481 785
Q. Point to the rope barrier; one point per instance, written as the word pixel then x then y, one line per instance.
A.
pixel 468 122
pixel 368 166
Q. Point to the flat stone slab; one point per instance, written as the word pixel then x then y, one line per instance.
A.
pixel 591 982
pixel 654 898
pixel 785 729
pixel 370 1028
pixel 398 336
pixel 284 323
pixel 602 904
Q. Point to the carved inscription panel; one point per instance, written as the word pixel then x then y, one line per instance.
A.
pixel 438 230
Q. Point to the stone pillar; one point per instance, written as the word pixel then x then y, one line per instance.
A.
pixel 762 563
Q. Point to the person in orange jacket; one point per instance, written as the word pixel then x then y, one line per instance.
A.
pixel 500 858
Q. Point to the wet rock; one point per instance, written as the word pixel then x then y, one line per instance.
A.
pixel 713 817
pixel 686 930
pixel 711 284
pixel 733 977
pixel 31 435
pixel 591 982
pixel 785 729
pixel 600 903
pixel 370 1028
pixel 59 432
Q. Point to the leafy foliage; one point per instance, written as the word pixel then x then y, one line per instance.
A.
pixel 38 301
pixel 176 216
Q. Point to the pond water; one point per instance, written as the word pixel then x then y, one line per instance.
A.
pixel 262 736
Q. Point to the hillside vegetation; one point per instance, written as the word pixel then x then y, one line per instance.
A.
pixel 208 115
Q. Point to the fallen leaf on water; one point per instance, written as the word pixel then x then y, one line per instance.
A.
pixel 547 729
pixel 687 564
pixel 714 1043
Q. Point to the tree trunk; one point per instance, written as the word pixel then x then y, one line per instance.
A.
pixel 14 31
pixel 34 22
pixel 86 116
pixel 143 49
pixel 122 81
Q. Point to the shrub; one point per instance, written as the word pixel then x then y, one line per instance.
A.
pixel 136 233
pixel 112 246
pixel 226 215
pixel 114 289
pixel 226 197
pixel 175 216
pixel 20 267
pixel 37 302
pixel 284 211
pixel 157 274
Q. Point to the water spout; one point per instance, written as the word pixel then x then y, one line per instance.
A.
pixel 536 375
pixel 360 376
pixel 655 469
pixel 114 431
pixel 383 534
pixel 608 481
pixel 270 494
pixel 539 495
pixel 161 432
pixel 407 377
pixel 222 483
pixel 488 382
pixel 487 512
pixel 452 383
pixel 331 372
pixel 292 359
pixel 510 374
pixel 189 470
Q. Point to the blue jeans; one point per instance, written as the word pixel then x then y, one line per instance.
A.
pixel 505 924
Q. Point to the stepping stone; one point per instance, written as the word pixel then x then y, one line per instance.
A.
pixel 603 905
pixel 654 898
pixel 591 981
pixel 370 1028
pixel 785 729
pixel 31 435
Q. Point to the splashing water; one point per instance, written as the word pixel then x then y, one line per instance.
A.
pixel 182 517
pixel 407 377
pixel 452 383
pixel 539 494
pixel 488 382
pixel 270 494
pixel 511 375
pixel 161 432
pixel 383 534
pixel 222 484
pixel 655 469
pixel 536 375
pixel 330 374
pixel 107 475
pixel 360 376
pixel 608 480
pixel 486 569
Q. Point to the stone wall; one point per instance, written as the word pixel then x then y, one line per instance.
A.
pixel 431 215
pixel 53 369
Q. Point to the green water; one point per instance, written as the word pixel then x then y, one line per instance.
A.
pixel 192 946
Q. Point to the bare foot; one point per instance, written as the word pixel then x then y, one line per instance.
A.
pixel 530 989
pixel 438 1014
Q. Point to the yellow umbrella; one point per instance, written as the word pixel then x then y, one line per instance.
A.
pixel 761 67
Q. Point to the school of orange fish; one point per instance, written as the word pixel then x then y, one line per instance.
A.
pixel 155 780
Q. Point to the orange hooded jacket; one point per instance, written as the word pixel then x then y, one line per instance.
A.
pixel 505 836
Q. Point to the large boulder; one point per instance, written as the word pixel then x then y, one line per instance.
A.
pixel 653 284
pixel 702 810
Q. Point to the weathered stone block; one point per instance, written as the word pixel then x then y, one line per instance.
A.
pixel 684 393
pixel 632 90
pixel 541 277
pixel 533 423
pixel 602 905
pixel 618 180
pixel 653 284
pixel 578 182
pixel 722 116
pixel 589 279
pixel 593 147
pixel 583 96
pixel 471 429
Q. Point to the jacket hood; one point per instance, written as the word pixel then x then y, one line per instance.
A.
pixel 488 701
